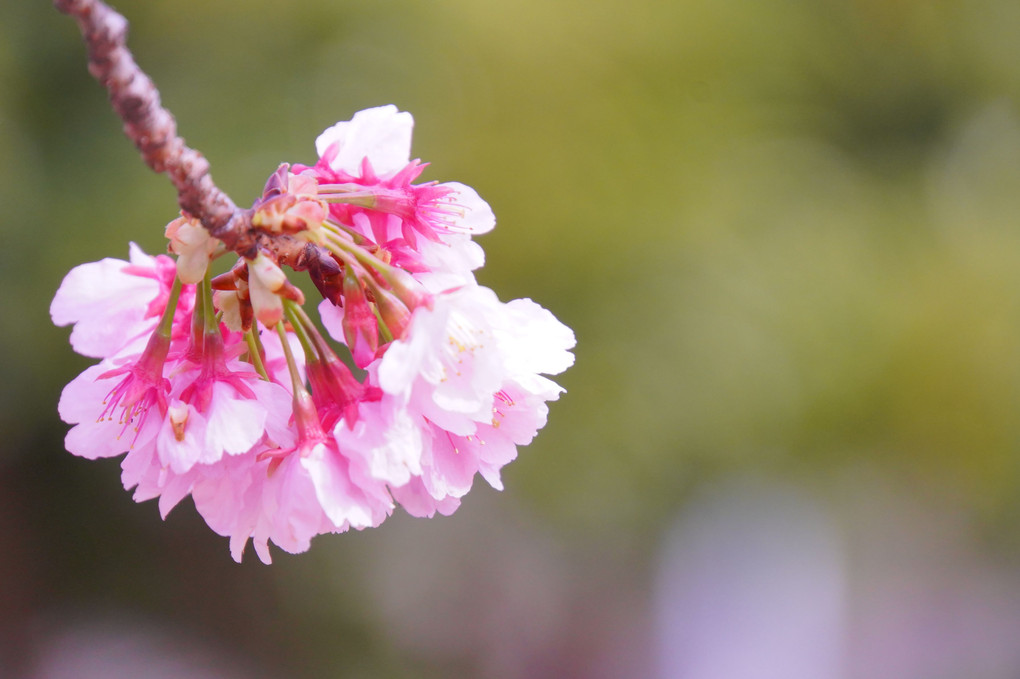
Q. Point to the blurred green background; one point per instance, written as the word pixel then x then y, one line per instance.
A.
pixel 785 233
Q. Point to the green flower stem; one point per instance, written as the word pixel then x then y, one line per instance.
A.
pixel 366 259
pixel 197 323
pixel 298 321
pixel 350 194
pixel 295 376
pixel 337 229
pixel 322 348
pixel 384 330
pixel 208 309
pixel 166 321
pixel 255 353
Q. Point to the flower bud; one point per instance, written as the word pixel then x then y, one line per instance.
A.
pixel 361 329
pixel 265 279
pixel 394 314
pixel 193 246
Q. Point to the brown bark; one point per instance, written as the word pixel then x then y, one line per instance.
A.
pixel 152 128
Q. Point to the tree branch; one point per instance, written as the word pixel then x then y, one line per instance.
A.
pixel 152 128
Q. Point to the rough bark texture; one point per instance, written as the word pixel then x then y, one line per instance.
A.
pixel 152 128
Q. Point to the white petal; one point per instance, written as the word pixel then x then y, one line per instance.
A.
pixel 535 341
pixel 138 257
pixel 477 215
pixel 381 134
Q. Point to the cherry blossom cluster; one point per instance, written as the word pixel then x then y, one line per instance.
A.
pixel 224 388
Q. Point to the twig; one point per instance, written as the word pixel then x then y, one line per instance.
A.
pixel 152 128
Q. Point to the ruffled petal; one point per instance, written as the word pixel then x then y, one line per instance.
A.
pixel 381 134
pixel 106 304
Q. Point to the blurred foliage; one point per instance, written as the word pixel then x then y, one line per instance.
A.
pixel 785 233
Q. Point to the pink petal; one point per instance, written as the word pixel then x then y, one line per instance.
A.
pixel 417 501
pixel 341 500
pixel 234 424
pixel 181 454
pixel 106 305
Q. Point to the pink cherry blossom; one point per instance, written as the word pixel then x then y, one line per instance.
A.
pixel 450 364
pixel 237 399
pixel 96 432
pixel 469 370
pixel 290 494
pixel 365 172
pixel 219 405
pixel 429 209
pixel 228 495
pixel 452 461
pixel 234 419
pixel 383 445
